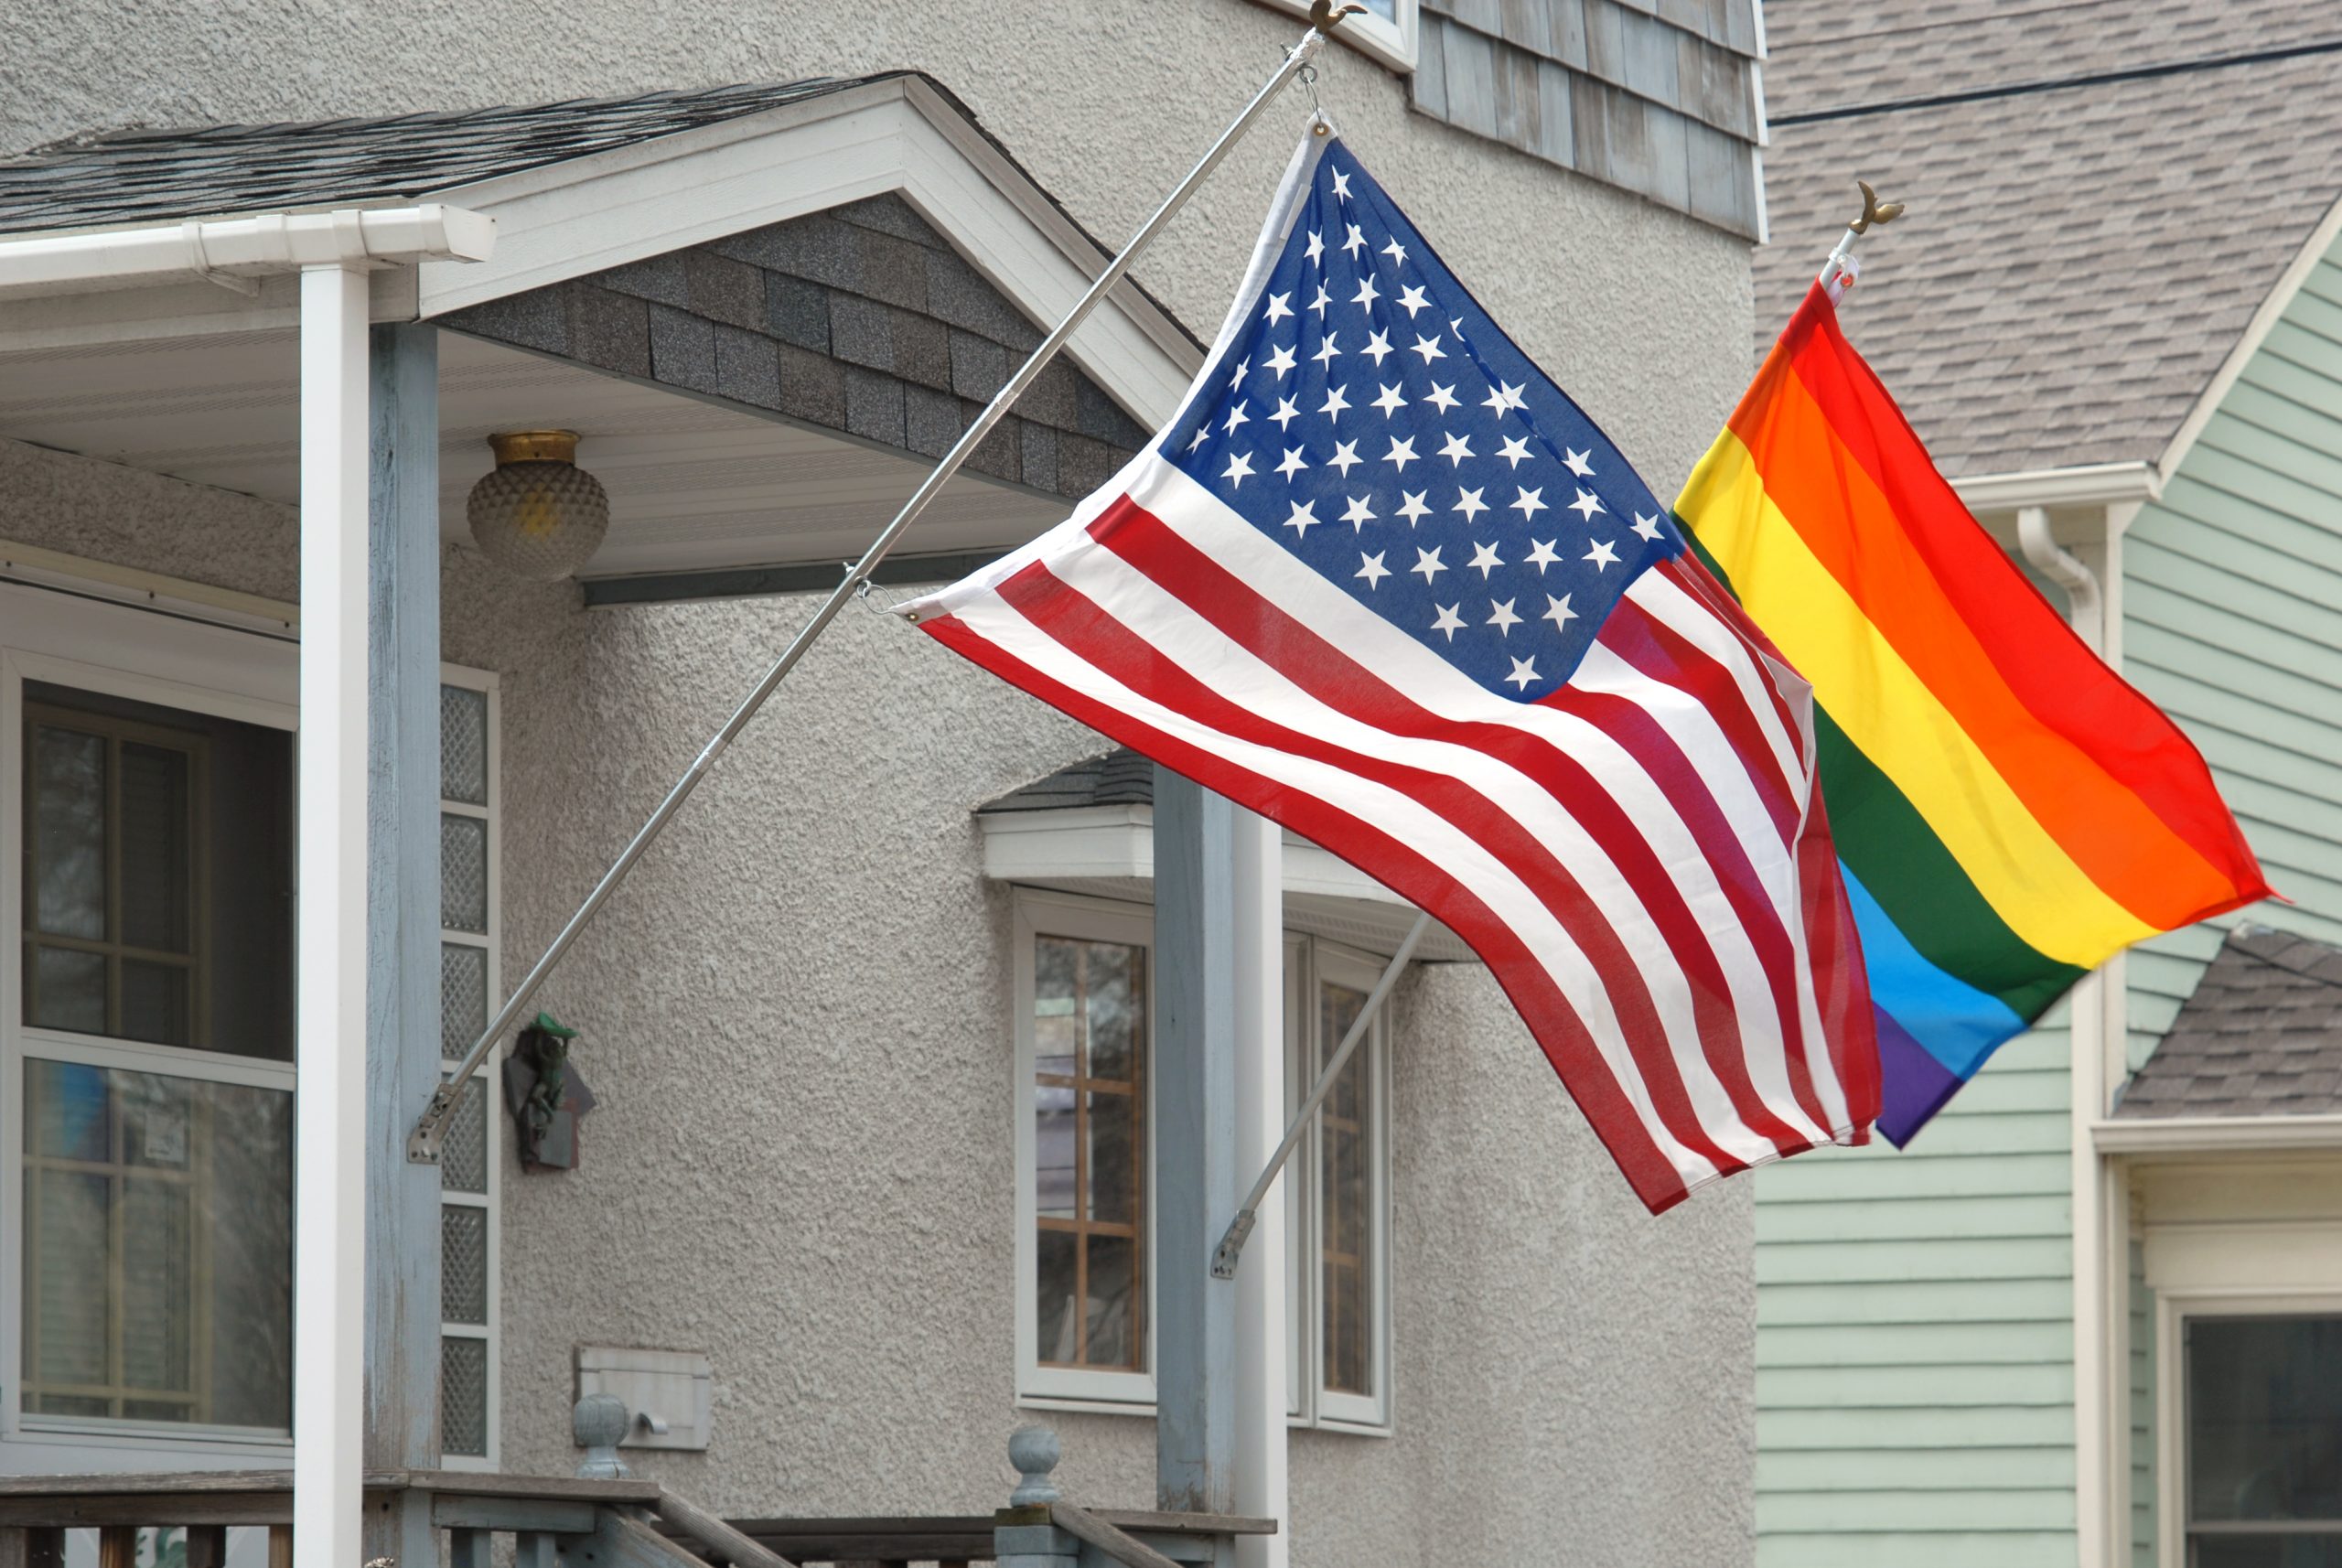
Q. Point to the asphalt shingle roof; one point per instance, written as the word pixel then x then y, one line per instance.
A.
pixel 170 175
pixel 2102 193
pixel 2261 1036
pixel 1120 778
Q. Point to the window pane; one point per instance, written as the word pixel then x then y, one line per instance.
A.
pixel 158 871
pixel 463 874
pixel 463 1396
pixel 463 997
pixel 1113 1008
pixel 1053 1298
pixel 463 1159
pixel 2268 1552
pixel 1345 1133
pixel 67 897
pixel 463 1264
pixel 1055 962
pixel 176 1194
pixel 1089 1110
pixel 154 1003
pixel 1113 1158
pixel 463 744
pixel 2264 1418
pixel 161 844
pixel 69 991
pixel 1112 1315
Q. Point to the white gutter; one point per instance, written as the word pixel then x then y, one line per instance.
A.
pixel 233 251
pixel 2216 1134
pixel 2091 484
pixel 2064 568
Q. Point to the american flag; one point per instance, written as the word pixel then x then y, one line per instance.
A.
pixel 1382 582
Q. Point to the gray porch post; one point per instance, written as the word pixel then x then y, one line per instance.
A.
pixel 1195 1182
pixel 403 1039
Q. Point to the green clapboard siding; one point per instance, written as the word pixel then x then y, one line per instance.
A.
pixel 1914 1337
pixel 1915 1328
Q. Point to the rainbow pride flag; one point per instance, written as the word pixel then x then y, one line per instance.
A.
pixel 2009 813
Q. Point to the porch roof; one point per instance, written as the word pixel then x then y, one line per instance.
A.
pixel 666 275
pixel 210 171
pixel 2261 1036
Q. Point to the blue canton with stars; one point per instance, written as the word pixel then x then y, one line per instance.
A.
pixel 1374 421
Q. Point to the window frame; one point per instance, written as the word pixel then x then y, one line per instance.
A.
pixel 1310 963
pixel 2174 1310
pixel 1396 44
pixel 125 652
pixel 1037 914
pixel 490 1076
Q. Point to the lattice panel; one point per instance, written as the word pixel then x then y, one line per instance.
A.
pixel 463 744
pixel 463 1397
pixel 463 997
pixel 463 1157
pixel 463 873
pixel 463 1264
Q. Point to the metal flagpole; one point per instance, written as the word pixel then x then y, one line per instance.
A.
pixel 1838 273
pixel 1230 1250
pixel 422 1144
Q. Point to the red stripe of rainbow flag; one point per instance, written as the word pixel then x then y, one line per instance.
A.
pixel 2008 811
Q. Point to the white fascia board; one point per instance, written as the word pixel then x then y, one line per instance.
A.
pixel 242 249
pixel 2216 1134
pixel 2087 485
pixel 173 310
pixel 1080 844
pixel 585 215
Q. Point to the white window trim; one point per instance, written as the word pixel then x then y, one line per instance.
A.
pixel 1391 43
pixel 50 636
pixel 491 1071
pixel 2172 1309
pixel 1038 914
pixel 1311 962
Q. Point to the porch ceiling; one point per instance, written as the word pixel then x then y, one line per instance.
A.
pixel 693 484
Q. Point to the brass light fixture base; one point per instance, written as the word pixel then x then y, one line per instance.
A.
pixel 535 447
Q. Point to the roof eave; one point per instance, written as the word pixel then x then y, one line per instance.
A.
pixel 2085 483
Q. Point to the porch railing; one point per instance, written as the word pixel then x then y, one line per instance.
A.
pixel 576 1523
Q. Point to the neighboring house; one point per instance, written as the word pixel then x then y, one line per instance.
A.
pixel 870 1179
pixel 2094 1313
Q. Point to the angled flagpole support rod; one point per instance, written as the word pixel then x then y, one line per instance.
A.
pixel 1230 1250
pixel 1838 274
pixel 423 1145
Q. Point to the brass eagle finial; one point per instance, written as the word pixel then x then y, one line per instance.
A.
pixel 1873 209
pixel 1324 16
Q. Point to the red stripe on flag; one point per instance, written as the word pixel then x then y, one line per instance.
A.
pixel 1551 1020
pixel 1331 676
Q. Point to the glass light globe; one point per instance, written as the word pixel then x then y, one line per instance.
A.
pixel 537 514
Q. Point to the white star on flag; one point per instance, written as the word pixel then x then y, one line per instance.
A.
pixel 1500 617
pixel 1372 569
pixel 1603 556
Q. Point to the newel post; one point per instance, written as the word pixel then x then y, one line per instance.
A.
pixel 1022 1534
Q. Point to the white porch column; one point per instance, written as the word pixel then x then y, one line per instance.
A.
pixel 329 1143
pixel 1261 1294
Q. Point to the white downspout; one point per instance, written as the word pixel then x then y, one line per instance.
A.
pixel 2100 1539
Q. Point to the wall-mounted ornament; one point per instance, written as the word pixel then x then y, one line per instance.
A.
pixel 546 1095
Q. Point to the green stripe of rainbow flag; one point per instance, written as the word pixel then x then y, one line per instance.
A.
pixel 2008 812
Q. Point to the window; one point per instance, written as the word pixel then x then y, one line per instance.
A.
pixel 154 1047
pixel 1337 1195
pixel 1083 986
pixel 470 1168
pixel 1084 1021
pixel 1386 31
pixel 2263 1431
